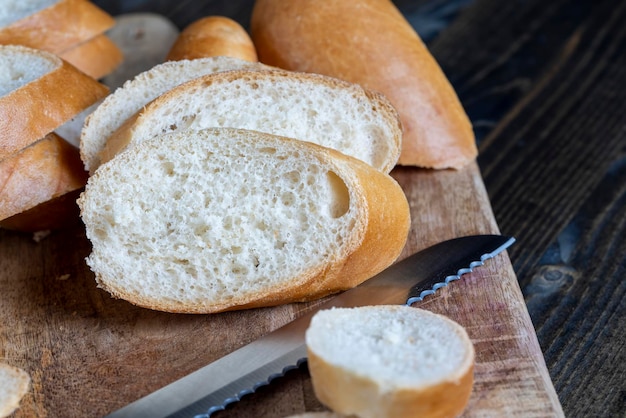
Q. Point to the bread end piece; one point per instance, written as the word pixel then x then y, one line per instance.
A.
pixel 383 53
pixel 408 367
pixel 213 36
pixel 14 384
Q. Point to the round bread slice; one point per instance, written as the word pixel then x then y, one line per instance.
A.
pixel 96 57
pixel 389 361
pixel 324 110
pixel 213 36
pixel 14 384
pixel 136 93
pixel 38 93
pixel 221 219
pixel 51 25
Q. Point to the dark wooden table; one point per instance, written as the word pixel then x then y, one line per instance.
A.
pixel 544 83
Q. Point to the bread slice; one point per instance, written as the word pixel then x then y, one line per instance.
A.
pixel 43 171
pixel 51 25
pixel 96 57
pixel 38 93
pixel 213 36
pixel 320 109
pixel 14 384
pixel 390 361
pixel 136 93
pixel 222 219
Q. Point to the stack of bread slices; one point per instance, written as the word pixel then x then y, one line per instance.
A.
pixel 75 30
pixel 247 186
pixel 51 54
pixel 40 172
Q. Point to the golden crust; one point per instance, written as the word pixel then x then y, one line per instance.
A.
pixel 96 57
pixel 383 53
pixel 45 170
pixel 50 29
pixel 39 107
pixel 213 36
pixel 350 392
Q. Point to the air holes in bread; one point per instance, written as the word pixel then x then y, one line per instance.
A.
pixel 340 203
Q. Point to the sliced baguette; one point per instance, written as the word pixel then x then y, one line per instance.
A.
pixel 390 361
pixel 377 48
pixel 222 219
pixel 96 57
pixel 324 110
pixel 14 384
pixel 213 36
pixel 43 171
pixel 38 93
pixel 51 25
pixel 136 93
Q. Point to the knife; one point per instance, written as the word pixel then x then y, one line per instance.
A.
pixel 241 372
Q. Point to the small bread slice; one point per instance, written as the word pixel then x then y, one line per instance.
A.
pixel 41 172
pixel 136 93
pixel 213 36
pixel 96 57
pixel 51 25
pixel 390 361
pixel 14 384
pixel 38 93
pixel 324 110
pixel 223 219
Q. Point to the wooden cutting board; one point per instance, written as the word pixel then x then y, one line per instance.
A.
pixel 89 354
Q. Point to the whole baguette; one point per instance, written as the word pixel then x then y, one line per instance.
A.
pixel 32 110
pixel 96 57
pixel 213 36
pixel 221 219
pixel 43 171
pixel 369 42
pixel 390 361
pixel 58 27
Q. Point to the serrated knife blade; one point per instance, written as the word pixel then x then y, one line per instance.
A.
pixel 227 379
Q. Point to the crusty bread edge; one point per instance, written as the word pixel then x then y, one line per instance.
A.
pixel 63 92
pixel 97 57
pixel 213 36
pixel 58 27
pixel 43 171
pixel 348 392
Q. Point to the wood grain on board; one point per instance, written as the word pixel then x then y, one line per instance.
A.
pixel 89 354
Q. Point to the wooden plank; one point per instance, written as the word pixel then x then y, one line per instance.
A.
pixel 89 354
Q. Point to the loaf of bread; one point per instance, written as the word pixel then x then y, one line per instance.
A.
pixel 138 92
pixel 369 42
pixel 213 36
pixel 14 384
pixel 389 361
pixel 323 110
pixel 202 221
pixel 38 93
